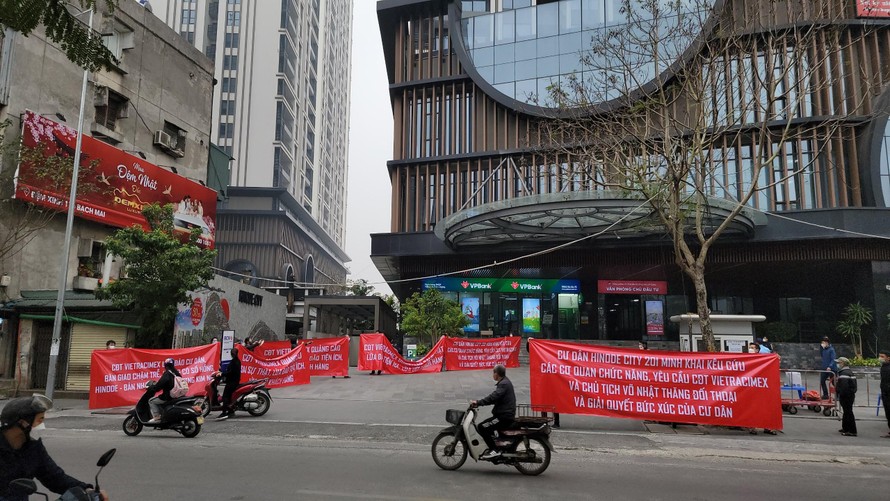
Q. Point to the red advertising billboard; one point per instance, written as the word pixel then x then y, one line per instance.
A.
pixel 723 389
pixel 873 8
pixel 120 185
pixel 631 287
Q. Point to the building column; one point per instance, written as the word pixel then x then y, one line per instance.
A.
pixel 880 273
pixel 27 333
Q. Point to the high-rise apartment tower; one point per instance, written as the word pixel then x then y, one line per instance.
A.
pixel 281 104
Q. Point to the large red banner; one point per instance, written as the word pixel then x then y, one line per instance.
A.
pixel 472 354
pixel 377 353
pixel 704 388
pixel 328 356
pixel 119 186
pixel 118 377
pixel 873 8
pixel 272 349
pixel 286 370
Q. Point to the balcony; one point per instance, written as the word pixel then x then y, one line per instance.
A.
pixel 85 283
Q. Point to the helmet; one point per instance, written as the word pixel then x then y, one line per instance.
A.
pixel 26 408
pixel 169 363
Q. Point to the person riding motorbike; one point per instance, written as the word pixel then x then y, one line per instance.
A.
pixel 232 380
pixel 165 384
pixel 503 413
pixel 24 457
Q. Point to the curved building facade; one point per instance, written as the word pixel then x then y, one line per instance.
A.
pixel 481 194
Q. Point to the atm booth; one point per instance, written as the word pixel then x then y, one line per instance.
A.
pixel 732 333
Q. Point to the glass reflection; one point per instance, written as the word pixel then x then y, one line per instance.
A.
pixel 552 37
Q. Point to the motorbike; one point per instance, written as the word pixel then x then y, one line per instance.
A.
pixel 252 396
pixel 525 446
pixel 180 414
pixel 27 486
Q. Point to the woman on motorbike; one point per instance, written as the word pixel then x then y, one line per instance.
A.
pixel 164 384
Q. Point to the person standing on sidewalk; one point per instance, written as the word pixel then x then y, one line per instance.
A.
pixel 846 394
pixel 884 357
pixel 829 366
pixel 232 380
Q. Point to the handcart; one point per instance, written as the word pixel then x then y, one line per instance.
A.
pixel 795 394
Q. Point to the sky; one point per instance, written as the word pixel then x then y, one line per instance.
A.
pixel 370 146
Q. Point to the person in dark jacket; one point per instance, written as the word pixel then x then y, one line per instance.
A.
pixel 502 415
pixel 829 366
pixel 232 380
pixel 884 357
pixel 24 457
pixel 846 395
pixel 164 384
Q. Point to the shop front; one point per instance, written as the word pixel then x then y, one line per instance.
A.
pixel 631 310
pixel 540 308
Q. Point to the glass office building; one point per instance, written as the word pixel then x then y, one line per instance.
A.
pixel 476 196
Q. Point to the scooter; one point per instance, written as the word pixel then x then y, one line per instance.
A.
pixel 180 414
pixel 252 396
pixel 27 486
pixel 525 446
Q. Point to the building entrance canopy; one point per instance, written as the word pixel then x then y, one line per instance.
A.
pixel 562 217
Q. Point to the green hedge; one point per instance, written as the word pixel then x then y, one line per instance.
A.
pixel 865 362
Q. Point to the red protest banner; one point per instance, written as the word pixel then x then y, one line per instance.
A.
pixel 724 389
pixel 286 370
pixel 118 377
pixel 328 356
pixel 873 8
pixel 122 185
pixel 472 354
pixel 272 349
pixel 376 353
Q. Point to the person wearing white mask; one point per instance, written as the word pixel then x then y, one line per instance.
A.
pixel 22 456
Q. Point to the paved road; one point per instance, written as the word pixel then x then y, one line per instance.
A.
pixel 225 466
pixel 368 438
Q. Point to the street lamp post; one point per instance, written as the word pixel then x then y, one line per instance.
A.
pixel 66 247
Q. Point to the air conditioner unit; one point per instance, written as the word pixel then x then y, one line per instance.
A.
pixel 162 139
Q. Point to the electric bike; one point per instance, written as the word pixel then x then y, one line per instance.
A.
pixel 252 396
pixel 180 414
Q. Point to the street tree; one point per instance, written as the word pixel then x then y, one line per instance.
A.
pixel 431 314
pixel 855 317
pixel 710 112
pixel 82 46
pixel 359 287
pixel 159 272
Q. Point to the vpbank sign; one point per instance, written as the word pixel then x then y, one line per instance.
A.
pixel 530 285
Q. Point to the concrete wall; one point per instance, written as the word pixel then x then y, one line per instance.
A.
pixel 164 78
pixel 222 310
pixel 806 355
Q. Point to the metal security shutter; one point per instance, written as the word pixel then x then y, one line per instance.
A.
pixel 84 339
